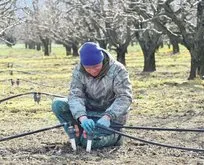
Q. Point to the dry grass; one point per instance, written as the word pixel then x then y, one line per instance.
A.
pixel 164 98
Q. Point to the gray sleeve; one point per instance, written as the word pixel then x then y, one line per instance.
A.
pixel 123 95
pixel 76 96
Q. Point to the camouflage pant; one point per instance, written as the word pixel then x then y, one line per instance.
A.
pixel 101 138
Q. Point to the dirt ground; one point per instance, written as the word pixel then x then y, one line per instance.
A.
pixel 52 147
pixel 161 99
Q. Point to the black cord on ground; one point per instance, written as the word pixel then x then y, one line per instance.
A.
pixel 160 129
pixel 11 97
pixel 151 142
pixel 107 129
pixel 32 132
pixel 23 94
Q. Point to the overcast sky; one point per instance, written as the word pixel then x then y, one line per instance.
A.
pixel 23 3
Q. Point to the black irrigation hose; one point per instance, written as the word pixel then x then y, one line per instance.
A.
pixel 31 82
pixel 37 83
pixel 159 129
pixel 23 94
pixel 11 97
pixel 108 129
pixel 151 142
pixel 50 94
pixel 17 71
pixel 115 126
pixel 32 132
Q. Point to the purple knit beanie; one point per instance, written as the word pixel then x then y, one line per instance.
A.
pixel 90 54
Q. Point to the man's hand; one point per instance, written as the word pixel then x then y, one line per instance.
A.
pixel 87 124
pixel 104 121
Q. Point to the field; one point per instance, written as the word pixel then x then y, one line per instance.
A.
pixel 164 98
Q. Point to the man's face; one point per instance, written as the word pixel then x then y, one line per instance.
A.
pixel 94 70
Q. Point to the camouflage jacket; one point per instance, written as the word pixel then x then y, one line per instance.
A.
pixel 109 93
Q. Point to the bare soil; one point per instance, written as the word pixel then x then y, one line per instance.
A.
pixel 52 147
pixel 161 99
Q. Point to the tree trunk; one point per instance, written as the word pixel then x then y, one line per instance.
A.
pixel 194 65
pixel 202 72
pixel 75 49
pixel 200 38
pixel 103 44
pixel 149 61
pixel 50 45
pixel 162 44
pixel 169 45
pixel 46 46
pixel 121 51
pixel 68 49
pixel 31 45
pixel 201 62
pixel 176 48
pixel 149 42
pixel 38 46
pixel 149 48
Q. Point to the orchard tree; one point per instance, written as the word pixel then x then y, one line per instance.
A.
pixel 147 33
pixel 188 15
pixel 34 33
pixel 181 20
pixel 8 11
pixel 108 23
pixel 75 22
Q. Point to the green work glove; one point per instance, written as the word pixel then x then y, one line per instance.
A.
pixel 104 121
pixel 87 124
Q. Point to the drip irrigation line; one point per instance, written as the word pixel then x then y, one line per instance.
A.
pixel 11 71
pixel 50 94
pixel 151 142
pixel 32 132
pixel 107 129
pixel 19 71
pixel 28 81
pixel 3 80
pixel 160 129
pixel 14 96
pixel 28 93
